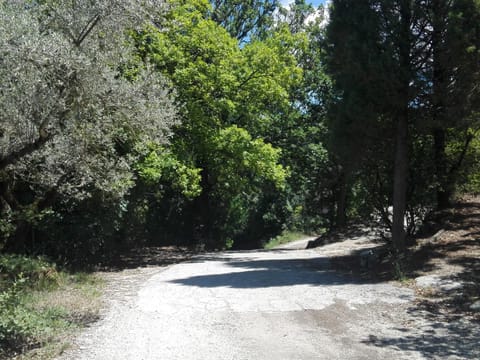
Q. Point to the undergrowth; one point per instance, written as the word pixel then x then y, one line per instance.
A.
pixel 40 305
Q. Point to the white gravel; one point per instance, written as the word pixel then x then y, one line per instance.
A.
pixel 280 304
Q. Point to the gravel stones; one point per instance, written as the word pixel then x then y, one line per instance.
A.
pixel 437 282
pixel 475 306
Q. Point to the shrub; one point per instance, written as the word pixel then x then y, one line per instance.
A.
pixel 37 273
pixel 16 323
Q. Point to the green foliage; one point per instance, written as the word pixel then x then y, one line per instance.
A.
pixel 20 325
pixel 7 228
pixel 160 165
pixel 302 132
pixel 82 232
pixel 239 161
pixel 16 324
pixel 285 124
pixel 245 20
pixel 233 95
pixel 70 121
pixel 372 52
pixel 469 174
pixel 34 272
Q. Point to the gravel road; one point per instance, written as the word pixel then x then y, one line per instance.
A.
pixel 279 304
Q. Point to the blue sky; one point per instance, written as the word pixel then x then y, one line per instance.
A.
pixel 314 2
pixel 317 2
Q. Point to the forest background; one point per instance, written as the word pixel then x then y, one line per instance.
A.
pixel 222 124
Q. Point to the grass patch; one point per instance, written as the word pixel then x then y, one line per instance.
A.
pixel 41 306
pixel 284 238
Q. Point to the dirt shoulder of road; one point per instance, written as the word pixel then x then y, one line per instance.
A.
pixel 442 264
pixel 447 257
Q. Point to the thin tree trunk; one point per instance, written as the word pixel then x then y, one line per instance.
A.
pixel 202 212
pixel 18 243
pixel 400 184
pixel 444 192
pixel 341 216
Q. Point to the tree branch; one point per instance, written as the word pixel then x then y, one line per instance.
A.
pixel 26 150
pixel 87 29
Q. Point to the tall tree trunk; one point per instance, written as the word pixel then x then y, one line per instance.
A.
pixel 401 149
pixel 443 192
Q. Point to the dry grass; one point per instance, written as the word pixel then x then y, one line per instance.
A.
pixel 82 305
pixel 63 311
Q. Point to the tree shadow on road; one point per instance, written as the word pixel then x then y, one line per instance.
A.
pixel 145 257
pixel 438 337
pixel 449 247
pixel 251 273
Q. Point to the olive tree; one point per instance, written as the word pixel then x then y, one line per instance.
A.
pixel 72 117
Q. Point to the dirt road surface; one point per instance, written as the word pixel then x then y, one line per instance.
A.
pixel 280 304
